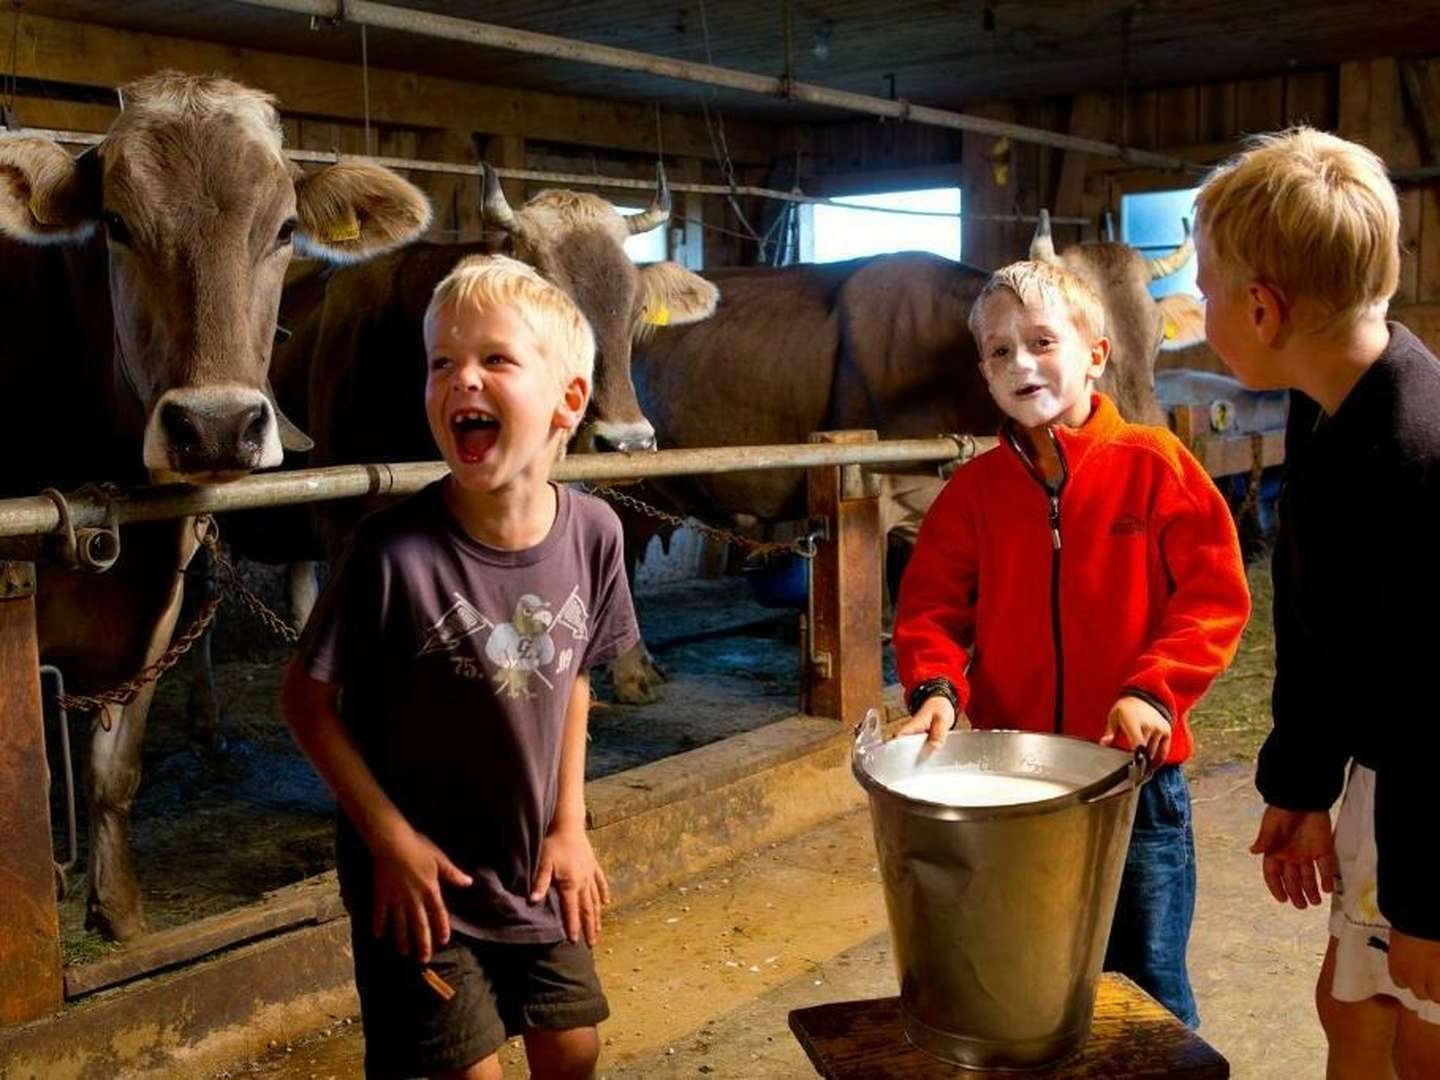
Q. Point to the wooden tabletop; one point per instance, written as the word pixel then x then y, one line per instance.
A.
pixel 1133 1036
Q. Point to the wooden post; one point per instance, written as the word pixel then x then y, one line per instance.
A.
pixel 842 672
pixel 30 979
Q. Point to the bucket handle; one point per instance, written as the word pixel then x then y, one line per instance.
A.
pixel 1137 770
pixel 868 734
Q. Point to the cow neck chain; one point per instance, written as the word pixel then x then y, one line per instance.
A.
pixel 803 546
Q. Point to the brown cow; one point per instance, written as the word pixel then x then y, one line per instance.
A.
pixel 139 309
pixel 875 343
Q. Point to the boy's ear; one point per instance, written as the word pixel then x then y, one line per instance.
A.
pixel 574 399
pixel 1269 310
pixel 1099 357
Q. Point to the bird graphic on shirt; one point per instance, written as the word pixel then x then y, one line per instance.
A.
pixel 522 646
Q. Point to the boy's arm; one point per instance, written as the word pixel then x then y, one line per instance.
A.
pixel 566 857
pixel 936 612
pixel 1210 602
pixel 408 866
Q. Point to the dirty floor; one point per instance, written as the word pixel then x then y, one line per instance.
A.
pixel 701 979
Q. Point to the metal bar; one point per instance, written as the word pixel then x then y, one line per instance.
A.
pixel 367 13
pixel 542 176
pixel 38 515
pixel 62 719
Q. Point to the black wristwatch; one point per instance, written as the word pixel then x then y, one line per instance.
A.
pixel 938 686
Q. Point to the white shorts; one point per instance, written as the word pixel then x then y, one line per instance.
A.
pixel 1362 934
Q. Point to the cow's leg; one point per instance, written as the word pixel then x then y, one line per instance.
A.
pixel 304 585
pixel 114 905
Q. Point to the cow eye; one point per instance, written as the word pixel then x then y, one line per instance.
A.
pixel 115 228
pixel 286 233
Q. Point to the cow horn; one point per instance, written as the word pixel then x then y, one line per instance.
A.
pixel 1166 265
pixel 659 211
pixel 1042 246
pixel 496 210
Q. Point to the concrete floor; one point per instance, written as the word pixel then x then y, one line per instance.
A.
pixel 702 978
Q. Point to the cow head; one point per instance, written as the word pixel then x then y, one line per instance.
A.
pixel 577 241
pixel 201 214
pixel 1135 322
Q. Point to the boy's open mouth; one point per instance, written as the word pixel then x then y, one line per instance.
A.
pixel 1028 391
pixel 475 433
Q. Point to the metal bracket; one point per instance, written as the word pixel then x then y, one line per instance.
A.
pixel 817 531
pixel 17 580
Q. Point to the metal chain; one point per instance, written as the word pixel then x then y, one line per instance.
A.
pixel 803 546
pixel 229 584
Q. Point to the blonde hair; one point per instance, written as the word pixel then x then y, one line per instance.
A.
pixel 1310 213
pixel 1035 284
pixel 494 281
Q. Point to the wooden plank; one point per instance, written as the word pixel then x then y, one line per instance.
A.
pixel 1352 119
pixel 845 585
pixel 1227 455
pixel 508 152
pixel 1144 109
pixel 1177 120
pixel 1309 99
pixel 1132 1037
pixel 88 55
pixel 1260 105
pixel 1423 320
pixel 30 984
pixel 314 900
pixel 1089 116
pixel 1428 274
pixel 1217 112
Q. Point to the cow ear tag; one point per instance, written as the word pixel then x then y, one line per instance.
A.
pixel 1171 330
pixel 341 231
pixel 658 317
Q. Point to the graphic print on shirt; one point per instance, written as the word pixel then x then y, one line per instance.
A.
pixel 518 650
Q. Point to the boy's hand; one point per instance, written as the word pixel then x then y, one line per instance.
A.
pixel 408 872
pixel 1138 723
pixel 1415 965
pixel 936 715
pixel 567 859
pixel 1296 843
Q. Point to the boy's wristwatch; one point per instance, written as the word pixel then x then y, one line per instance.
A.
pixel 938 686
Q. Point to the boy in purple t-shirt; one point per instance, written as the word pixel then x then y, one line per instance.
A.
pixel 441 690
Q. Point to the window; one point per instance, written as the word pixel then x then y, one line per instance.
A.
pixel 647 247
pixel 1151 222
pixel 830 233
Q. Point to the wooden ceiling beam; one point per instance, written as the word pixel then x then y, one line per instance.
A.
pixel 84 54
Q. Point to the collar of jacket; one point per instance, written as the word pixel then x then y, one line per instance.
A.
pixel 1075 444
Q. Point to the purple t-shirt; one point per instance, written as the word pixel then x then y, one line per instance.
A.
pixel 456 662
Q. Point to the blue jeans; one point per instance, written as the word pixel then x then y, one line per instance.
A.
pixel 1157 896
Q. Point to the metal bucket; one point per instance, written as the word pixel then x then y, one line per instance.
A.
pixel 1000 914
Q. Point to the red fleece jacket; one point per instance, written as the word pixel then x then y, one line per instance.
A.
pixel 1044 611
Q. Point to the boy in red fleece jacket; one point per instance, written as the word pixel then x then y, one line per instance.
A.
pixel 1083 578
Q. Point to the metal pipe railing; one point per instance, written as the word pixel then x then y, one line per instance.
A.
pixel 545 176
pixel 39 515
pixel 406 20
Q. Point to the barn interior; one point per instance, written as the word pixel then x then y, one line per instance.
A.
pixel 233 832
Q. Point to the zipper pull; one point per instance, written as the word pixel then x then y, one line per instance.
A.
pixel 1055 520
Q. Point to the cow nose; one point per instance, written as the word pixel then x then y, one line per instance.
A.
pixel 212 430
pixel 624 444
pixel 182 428
pixel 253 424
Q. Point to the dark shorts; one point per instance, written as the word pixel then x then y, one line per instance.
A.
pixel 500 991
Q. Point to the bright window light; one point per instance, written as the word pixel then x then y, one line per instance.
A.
pixel 835 232
pixel 647 247
pixel 1152 222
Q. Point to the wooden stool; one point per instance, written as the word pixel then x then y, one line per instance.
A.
pixel 1133 1036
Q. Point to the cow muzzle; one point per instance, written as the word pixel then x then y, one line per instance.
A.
pixel 213 432
pixel 603 438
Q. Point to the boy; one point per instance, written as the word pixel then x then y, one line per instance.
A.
pixel 441 691
pixel 1298 240
pixel 1084 578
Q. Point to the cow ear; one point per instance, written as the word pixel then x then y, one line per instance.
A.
pixel 673 296
pixel 46 196
pixel 291 437
pixel 1182 321
pixel 355 210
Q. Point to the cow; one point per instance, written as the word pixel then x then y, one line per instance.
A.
pixel 139 286
pixel 879 342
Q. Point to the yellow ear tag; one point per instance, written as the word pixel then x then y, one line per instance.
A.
pixel 1171 330
pixel 659 317
pixel 342 231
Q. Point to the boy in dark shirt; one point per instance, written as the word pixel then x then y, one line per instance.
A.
pixel 441 690
pixel 1298 242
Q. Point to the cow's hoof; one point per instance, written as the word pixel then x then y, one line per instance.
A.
pixel 638 678
pixel 112 923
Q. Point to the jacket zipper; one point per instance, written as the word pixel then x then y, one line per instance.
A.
pixel 1053 492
